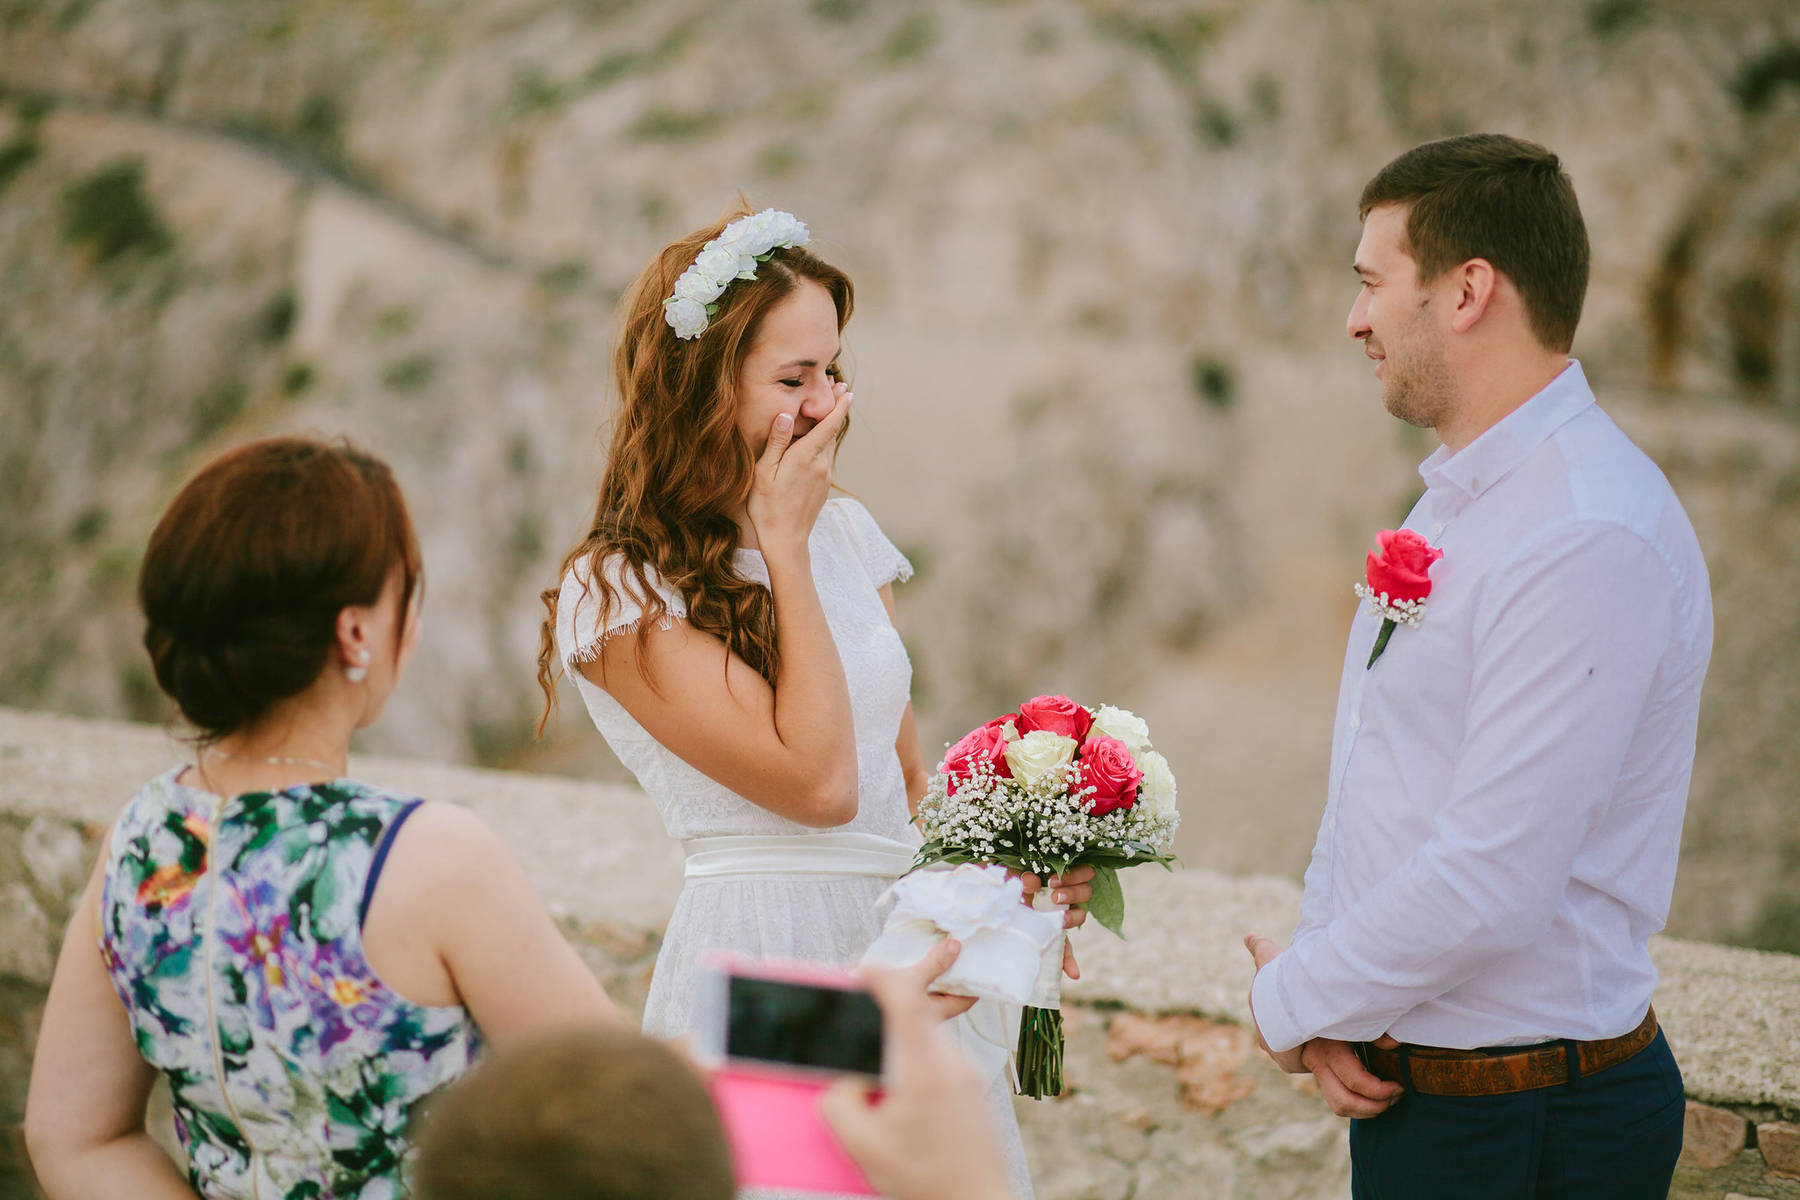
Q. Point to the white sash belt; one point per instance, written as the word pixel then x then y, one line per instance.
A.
pixel 833 852
pixel 989 1032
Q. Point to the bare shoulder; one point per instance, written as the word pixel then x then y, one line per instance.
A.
pixel 447 866
pixel 448 837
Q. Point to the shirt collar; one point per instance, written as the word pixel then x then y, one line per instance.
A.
pixel 1492 456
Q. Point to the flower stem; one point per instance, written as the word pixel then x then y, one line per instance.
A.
pixel 1387 631
pixel 1040 1053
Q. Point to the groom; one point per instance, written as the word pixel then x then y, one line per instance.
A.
pixel 1469 978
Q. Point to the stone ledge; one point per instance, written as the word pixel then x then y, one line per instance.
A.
pixel 601 860
pixel 1164 1089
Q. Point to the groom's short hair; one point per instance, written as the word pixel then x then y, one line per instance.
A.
pixel 1501 198
pixel 600 1114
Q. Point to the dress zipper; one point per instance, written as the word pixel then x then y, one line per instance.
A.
pixel 212 1018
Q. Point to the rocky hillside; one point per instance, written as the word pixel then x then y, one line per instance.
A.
pixel 1101 251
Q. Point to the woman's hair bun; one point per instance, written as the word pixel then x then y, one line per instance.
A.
pixel 250 565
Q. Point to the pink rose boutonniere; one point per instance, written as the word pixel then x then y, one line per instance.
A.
pixel 1397 581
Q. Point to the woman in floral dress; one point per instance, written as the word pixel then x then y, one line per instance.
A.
pixel 233 937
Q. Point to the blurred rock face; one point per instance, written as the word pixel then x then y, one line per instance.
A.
pixel 1102 258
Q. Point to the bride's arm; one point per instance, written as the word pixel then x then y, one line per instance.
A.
pixel 912 759
pixel 790 748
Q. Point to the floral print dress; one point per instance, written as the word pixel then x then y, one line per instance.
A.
pixel 232 930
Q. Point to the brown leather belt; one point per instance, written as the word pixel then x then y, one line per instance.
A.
pixel 1501 1071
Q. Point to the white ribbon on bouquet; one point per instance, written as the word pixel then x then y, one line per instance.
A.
pixel 1011 953
pixel 1046 988
pixel 988 1033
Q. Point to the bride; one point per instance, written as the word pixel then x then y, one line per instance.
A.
pixel 730 627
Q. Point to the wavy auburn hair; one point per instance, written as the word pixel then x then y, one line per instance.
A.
pixel 678 467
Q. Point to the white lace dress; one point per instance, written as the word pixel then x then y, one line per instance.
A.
pixel 812 917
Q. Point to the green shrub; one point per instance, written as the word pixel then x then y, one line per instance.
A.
pixel 673 125
pixel 109 213
pixel 15 156
pixel 410 373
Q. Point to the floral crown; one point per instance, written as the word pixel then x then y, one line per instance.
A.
pixel 732 255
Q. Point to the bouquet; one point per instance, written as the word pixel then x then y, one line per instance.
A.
pixel 1049 787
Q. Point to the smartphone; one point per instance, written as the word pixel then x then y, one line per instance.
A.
pixel 776 1034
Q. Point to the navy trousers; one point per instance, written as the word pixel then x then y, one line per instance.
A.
pixel 1614 1135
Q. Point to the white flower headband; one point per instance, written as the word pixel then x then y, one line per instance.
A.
pixel 732 255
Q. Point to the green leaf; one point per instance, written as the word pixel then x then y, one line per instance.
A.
pixel 931 852
pixel 1381 641
pixel 1121 860
pixel 1108 904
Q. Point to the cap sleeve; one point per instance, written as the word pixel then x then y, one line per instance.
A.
pixel 582 628
pixel 880 557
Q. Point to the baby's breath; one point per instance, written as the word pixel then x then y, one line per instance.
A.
pixel 1044 827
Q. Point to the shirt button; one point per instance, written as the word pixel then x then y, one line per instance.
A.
pixel 1437 529
pixel 1356 722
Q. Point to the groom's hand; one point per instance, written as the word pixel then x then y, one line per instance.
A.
pixel 1262 952
pixel 1345 1082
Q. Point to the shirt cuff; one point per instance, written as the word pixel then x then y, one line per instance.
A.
pixel 1274 1020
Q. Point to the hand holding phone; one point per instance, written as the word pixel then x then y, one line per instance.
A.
pixel 930 1135
pixel 777 1035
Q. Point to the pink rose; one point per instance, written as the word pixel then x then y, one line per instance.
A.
pixel 1401 569
pixel 984 744
pixel 1106 766
pixel 1058 714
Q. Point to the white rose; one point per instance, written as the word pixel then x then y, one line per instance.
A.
pixel 756 235
pixel 789 230
pixel 727 255
pixel 1039 754
pixel 1157 790
pixel 1127 726
pixel 686 317
pixel 717 263
pixel 700 286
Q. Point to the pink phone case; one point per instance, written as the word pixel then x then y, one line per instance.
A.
pixel 778 1139
pixel 771 1114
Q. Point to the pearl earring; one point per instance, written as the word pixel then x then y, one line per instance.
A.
pixel 359 672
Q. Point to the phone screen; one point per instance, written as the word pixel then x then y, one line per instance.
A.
pixel 797 1024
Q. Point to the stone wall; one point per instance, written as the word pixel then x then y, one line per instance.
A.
pixel 1167 1098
